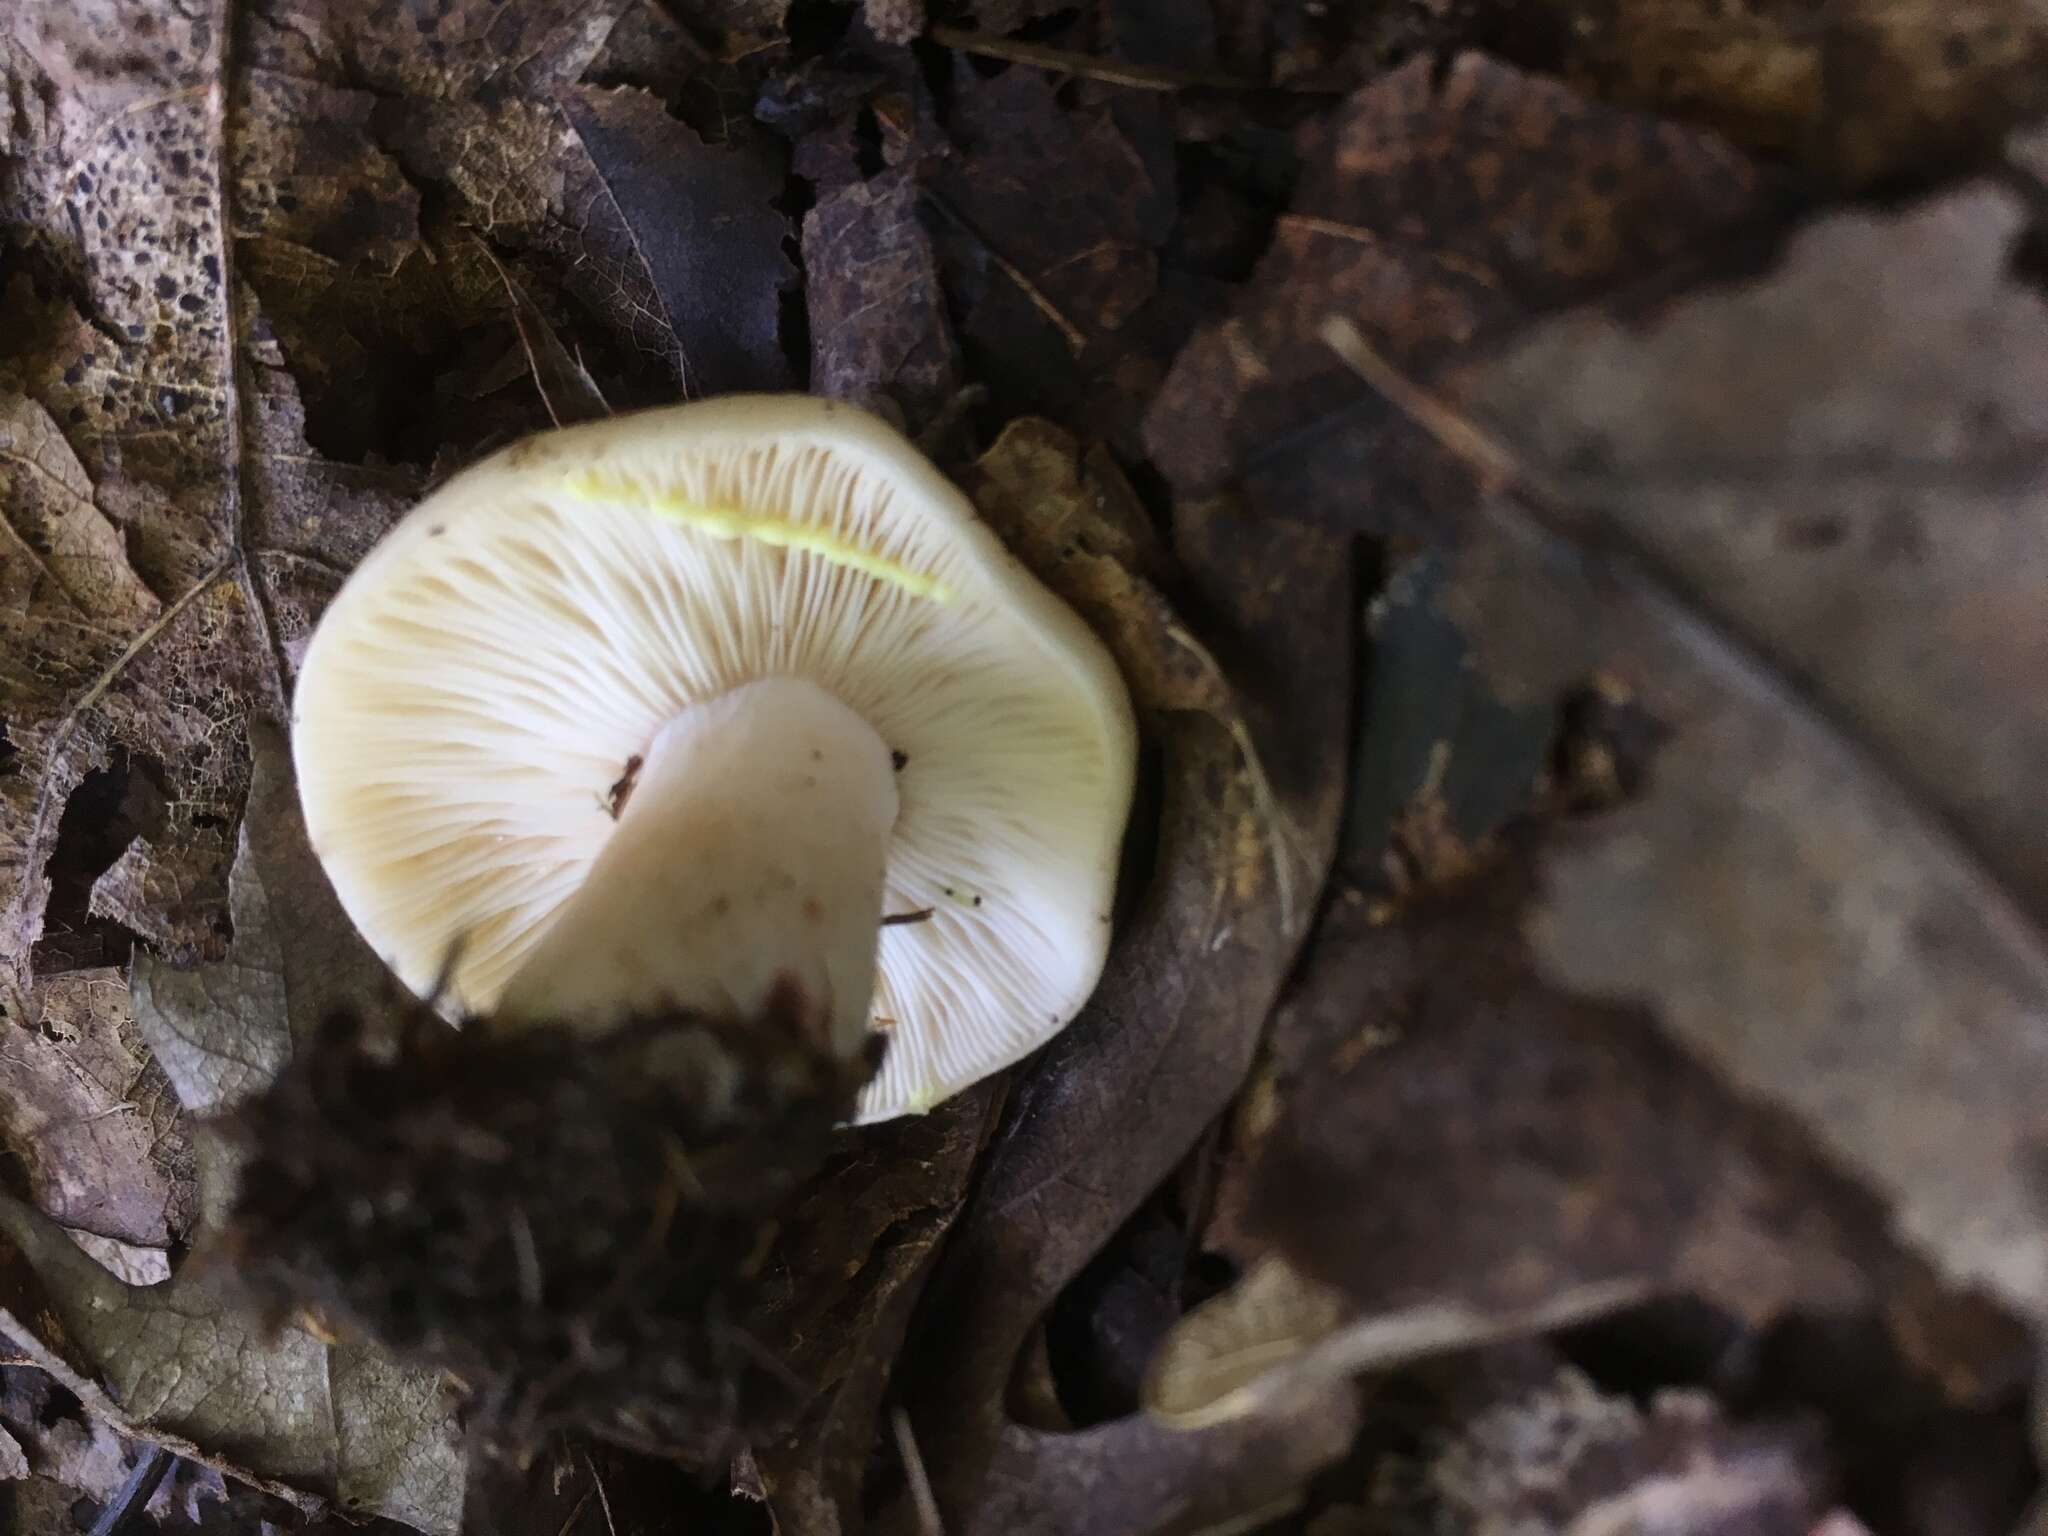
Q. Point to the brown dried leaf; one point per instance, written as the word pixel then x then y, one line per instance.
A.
pixel 89 1117
pixel 1438 213
pixel 1443 1128
pixel 1054 218
pixel 670 243
pixel 63 544
pixel 746 25
pixel 1206 1369
pixel 447 51
pixel 1832 892
pixel 701 220
pixel 61 1443
pixel 854 1258
pixel 1175 1022
pixel 336 1419
pixel 223 1031
pixel 173 1364
pixel 115 190
pixel 182 1365
pixel 1858 90
pixel 879 333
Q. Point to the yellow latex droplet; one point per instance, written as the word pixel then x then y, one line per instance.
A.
pixel 731 523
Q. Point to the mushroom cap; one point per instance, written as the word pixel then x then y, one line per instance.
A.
pixel 480 684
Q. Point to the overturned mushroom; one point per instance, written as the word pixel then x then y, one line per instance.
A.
pixel 616 710
pixel 626 746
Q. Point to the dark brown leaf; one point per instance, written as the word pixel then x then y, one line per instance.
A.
pixel 1055 217
pixel 1858 90
pixel 879 333
pixel 1120 1096
pixel 1437 213
pixel 566 387
pixel 1440 766
pixel 854 1258
pixel 599 1490
pixel 1441 1126
pixel 701 221
pixel 687 270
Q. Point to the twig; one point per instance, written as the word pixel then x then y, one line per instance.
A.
pixel 604 1500
pixel 1528 507
pixel 1497 466
pixel 1285 839
pixel 535 337
pixel 578 1510
pixel 136 1490
pixel 527 1255
pixel 1076 338
pixel 767 1359
pixel 904 919
pixel 1200 1206
pixel 1088 66
pixel 928 1520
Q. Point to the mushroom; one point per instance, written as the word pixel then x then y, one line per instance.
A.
pixel 681 758
pixel 662 709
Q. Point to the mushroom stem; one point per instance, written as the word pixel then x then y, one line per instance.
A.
pixel 751 850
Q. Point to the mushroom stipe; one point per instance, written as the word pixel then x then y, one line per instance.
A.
pixel 572 1228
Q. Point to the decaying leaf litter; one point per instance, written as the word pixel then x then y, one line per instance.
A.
pixel 1565 485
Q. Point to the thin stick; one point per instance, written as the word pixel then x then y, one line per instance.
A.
pixel 1531 508
pixel 913 1471
pixel 1076 338
pixel 581 1504
pixel 604 1499
pixel 1496 465
pixel 903 919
